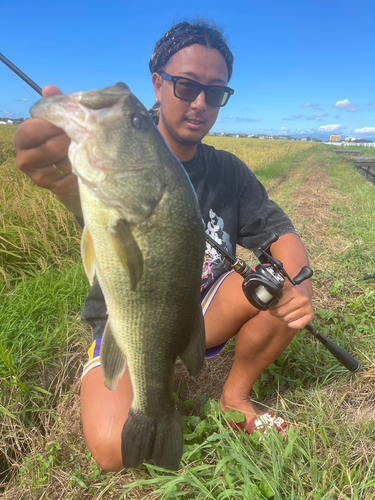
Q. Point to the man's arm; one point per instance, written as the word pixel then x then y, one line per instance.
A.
pixel 42 154
pixel 295 307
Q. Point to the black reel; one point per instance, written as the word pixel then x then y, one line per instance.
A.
pixel 264 286
pixel 263 289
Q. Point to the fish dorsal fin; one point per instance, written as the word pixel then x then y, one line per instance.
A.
pixel 127 250
pixel 112 359
pixel 88 255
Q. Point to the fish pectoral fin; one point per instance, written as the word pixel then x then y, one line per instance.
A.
pixel 193 355
pixel 88 255
pixel 112 359
pixel 127 250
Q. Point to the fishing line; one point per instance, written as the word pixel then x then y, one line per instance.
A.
pixel 25 88
pixel 21 74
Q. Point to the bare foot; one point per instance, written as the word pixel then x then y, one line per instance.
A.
pixel 249 410
pixel 245 406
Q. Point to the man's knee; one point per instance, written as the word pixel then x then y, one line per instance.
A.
pixel 106 450
pixel 104 413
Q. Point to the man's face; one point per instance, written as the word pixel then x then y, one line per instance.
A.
pixel 186 123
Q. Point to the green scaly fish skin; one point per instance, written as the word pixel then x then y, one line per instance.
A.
pixel 144 239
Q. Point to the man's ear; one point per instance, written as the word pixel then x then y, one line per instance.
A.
pixel 157 82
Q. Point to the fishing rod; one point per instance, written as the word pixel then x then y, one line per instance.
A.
pixel 263 288
pixel 21 74
pixel 368 277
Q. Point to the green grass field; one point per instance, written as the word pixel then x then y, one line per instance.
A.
pixel 330 452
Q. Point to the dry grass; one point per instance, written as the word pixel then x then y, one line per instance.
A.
pixel 36 231
pixel 313 218
pixel 258 153
pixel 7 149
pixel 58 427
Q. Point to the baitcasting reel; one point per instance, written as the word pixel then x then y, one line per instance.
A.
pixel 263 288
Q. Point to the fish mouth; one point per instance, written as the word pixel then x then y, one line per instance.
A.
pixel 77 113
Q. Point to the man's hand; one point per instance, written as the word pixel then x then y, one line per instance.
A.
pixel 42 154
pixel 294 307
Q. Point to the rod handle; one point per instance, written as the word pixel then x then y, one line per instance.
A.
pixel 342 356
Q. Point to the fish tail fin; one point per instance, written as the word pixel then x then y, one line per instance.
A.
pixel 144 439
pixel 193 355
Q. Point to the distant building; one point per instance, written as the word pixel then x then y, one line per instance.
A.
pixel 335 138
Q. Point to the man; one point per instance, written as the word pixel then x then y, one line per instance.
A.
pixel 191 67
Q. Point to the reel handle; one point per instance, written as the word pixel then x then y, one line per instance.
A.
pixel 305 273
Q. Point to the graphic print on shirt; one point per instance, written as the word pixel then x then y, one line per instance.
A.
pixel 214 263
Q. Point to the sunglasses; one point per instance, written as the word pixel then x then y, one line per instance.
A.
pixel 188 90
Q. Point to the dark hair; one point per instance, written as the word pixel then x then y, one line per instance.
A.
pixel 184 34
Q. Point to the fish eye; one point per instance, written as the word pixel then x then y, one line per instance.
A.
pixel 140 121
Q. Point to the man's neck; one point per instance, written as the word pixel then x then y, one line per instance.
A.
pixel 183 152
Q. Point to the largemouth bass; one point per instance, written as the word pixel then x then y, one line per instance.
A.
pixel 144 239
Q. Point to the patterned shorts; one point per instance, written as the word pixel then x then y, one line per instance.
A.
pixel 94 351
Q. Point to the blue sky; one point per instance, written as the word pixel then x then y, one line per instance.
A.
pixel 302 67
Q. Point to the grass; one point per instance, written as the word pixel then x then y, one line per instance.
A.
pixel 363 151
pixel 7 150
pixel 330 452
pixel 36 231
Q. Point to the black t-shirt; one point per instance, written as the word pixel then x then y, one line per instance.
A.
pixel 235 209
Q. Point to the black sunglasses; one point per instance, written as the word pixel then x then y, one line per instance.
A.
pixel 188 90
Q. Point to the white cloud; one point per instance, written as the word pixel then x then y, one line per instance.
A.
pixel 22 100
pixel 346 105
pixel 372 104
pixel 312 106
pixel 365 131
pixel 329 128
pixel 316 117
pixel 239 119
pixel 294 117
